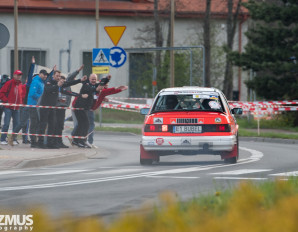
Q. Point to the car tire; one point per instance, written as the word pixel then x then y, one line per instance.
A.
pixel 234 159
pixel 147 157
pixel 146 161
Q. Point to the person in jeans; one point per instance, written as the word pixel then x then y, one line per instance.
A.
pixel 63 101
pixel 35 92
pixel 49 97
pixel 24 111
pixel 98 99
pixel 11 93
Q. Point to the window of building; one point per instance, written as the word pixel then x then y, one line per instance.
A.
pixel 25 57
pixel 87 61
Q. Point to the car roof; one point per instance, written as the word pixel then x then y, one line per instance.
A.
pixel 190 88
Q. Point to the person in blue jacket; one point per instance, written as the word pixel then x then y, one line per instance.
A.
pixel 35 92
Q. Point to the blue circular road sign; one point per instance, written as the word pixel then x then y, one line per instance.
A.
pixel 117 57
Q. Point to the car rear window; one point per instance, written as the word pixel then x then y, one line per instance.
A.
pixel 188 102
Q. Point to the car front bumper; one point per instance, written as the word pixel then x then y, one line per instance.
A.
pixel 188 143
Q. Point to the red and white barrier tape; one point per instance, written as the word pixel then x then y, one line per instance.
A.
pixel 290 102
pixel 55 136
pixel 130 98
pixel 246 106
pixel 130 105
pixel 111 106
pixel 37 106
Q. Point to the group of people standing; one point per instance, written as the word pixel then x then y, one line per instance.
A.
pixel 48 90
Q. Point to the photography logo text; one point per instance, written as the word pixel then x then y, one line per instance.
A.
pixel 16 222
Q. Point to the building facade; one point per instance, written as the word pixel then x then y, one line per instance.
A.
pixel 49 29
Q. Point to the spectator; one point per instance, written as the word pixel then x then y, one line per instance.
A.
pixel 24 111
pixel 63 101
pixel 99 98
pixel 35 92
pixel 11 92
pixel 90 89
pixel 49 98
pixel 3 79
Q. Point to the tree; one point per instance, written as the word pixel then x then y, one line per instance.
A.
pixel 272 49
pixel 207 43
pixel 231 29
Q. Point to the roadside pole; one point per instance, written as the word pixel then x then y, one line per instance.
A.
pixel 16 52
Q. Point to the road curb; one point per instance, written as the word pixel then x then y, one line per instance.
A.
pixel 34 163
pixel 268 140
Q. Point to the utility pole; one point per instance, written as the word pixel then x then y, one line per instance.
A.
pixel 97 22
pixel 16 52
pixel 172 57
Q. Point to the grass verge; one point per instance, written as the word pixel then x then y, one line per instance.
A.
pixel 119 129
pixel 118 116
pixel 246 133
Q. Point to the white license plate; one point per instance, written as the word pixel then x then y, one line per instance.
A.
pixel 187 129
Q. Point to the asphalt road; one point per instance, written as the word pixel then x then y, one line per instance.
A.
pixel 107 186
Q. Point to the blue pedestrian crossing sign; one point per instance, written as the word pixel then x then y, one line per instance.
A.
pixel 101 56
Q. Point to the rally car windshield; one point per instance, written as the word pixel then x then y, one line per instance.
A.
pixel 188 102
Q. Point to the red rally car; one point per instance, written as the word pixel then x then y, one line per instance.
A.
pixel 189 120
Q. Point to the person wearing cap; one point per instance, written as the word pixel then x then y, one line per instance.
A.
pixel 35 92
pixel 24 111
pixel 11 93
pixel 90 87
pixel 99 98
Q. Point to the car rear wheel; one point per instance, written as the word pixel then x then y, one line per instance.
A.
pixel 146 161
pixel 147 157
pixel 232 157
pixel 232 160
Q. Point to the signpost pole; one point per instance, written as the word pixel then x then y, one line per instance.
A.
pixel 16 52
pixel 97 22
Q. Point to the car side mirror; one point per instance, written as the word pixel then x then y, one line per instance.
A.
pixel 238 111
pixel 144 111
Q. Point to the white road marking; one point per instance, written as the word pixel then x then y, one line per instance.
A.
pixel 256 155
pixel 238 178
pixel 240 171
pixel 175 177
pixel 58 172
pixel 294 173
pixel 115 171
pixel 10 172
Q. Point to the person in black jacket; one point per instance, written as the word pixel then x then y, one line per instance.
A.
pixel 90 88
pixel 63 101
pixel 49 98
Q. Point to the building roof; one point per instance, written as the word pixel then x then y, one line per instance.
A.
pixel 184 8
